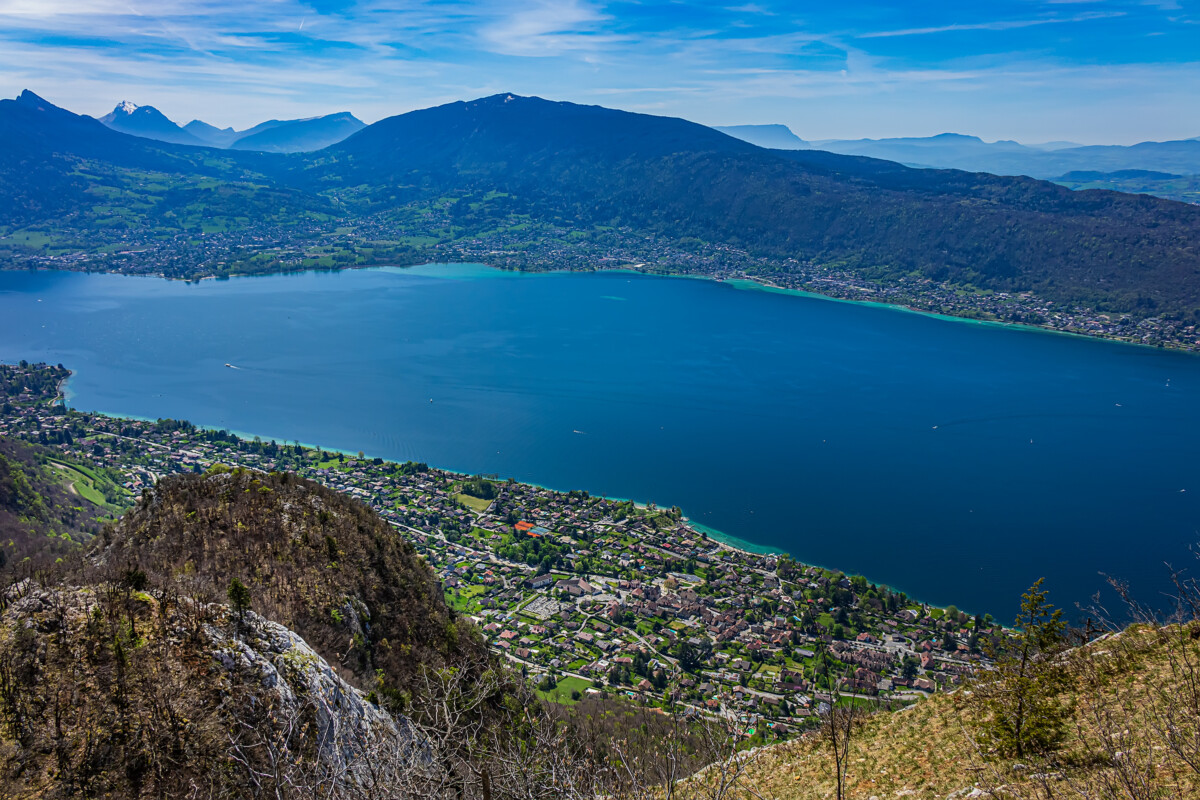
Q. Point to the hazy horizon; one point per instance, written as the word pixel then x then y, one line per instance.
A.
pixel 185 119
pixel 1115 72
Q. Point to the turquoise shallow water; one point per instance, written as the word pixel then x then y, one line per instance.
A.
pixel 957 462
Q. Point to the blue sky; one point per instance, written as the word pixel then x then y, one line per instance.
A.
pixel 1031 70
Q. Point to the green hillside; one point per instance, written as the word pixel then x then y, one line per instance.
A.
pixel 531 176
pixel 48 506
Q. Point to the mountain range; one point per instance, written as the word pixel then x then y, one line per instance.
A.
pixel 147 122
pixel 272 136
pixel 774 137
pixel 971 153
pixel 512 161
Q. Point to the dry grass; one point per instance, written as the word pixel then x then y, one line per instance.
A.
pixel 1129 690
pixel 917 752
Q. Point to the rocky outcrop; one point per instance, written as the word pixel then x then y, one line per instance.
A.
pixel 303 685
pixel 318 562
pixel 106 689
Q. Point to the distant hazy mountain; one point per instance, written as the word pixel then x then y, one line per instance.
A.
pixel 212 135
pixel 1046 161
pixel 776 137
pixel 943 150
pixel 1178 157
pixel 260 127
pixel 300 135
pixel 272 136
pixel 1050 146
pixel 147 122
pixel 41 144
pixel 1119 175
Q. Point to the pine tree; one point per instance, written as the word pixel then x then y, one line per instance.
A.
pixel 1022 712
pixel 239 598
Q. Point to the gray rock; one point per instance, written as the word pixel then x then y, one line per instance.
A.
pixel 305 684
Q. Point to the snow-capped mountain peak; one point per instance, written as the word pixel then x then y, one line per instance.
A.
pixel 125 107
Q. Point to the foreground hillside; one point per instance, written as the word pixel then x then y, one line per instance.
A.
pixel 1133 731
pixel 116 691
pixel 543 185
pixel 313 560
pixel 142 668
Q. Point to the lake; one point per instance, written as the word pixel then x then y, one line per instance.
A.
pixel 956 461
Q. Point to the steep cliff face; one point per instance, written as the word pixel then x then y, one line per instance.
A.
pixel 315 561
pixel 108 690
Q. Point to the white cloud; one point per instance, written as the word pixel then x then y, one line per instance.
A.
pixel 548 28
pixel 997 25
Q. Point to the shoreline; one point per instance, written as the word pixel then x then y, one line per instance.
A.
pixel 757 284
pixel 744 545
pixel 742 282
pixel 752 284
pixel 718 538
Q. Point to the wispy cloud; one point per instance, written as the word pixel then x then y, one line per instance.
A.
pixel 995 25
pixel 548 28
pixel 838 69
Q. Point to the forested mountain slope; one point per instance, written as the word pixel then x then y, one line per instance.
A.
pixel 313 560
pixel 590 168
pixel 42 513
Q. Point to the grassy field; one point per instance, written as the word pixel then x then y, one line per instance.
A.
pixel 476 504
pixel 464 599
pixel 33 239
pixel 562 692
pixel 82 484
pixel 88 484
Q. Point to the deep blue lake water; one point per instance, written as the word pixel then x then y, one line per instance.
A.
pixel 956 461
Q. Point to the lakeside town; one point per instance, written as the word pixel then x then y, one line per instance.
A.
pixel 582 593
pixel 438 232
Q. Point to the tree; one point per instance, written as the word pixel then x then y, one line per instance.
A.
pixel 239 598
pixel 1019 701
pixel 689 659
pixel 480 487
pixel 837 722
